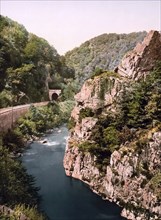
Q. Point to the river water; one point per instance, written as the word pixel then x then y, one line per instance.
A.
pixel 63 198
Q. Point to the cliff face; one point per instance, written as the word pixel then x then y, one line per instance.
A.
pixel 115 142
pixel 142 59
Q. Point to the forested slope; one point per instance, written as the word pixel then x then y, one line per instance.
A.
pixel 103 52
pixel 28 64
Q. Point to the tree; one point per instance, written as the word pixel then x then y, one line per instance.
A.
pixel 20 81
pixel 16 185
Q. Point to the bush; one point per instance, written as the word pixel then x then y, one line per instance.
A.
pixel 155 184
pixel 97 72
pixel 16 185
pixel 85 112
pixel 111 137
pixel 30 212
pixel 13 140
pixel 40 119
pixel 71 123
pixel 87 146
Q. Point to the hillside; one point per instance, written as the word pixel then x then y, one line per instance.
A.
pixel 115 137
pixel 102 52
pixel 28 66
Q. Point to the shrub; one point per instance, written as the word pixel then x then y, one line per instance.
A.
pixel 85 112
pixel 97 72
pixel 111 137
pixel 13 140
pixel 71 123
pixel 30 212
pixel 155 184
pixel 87 146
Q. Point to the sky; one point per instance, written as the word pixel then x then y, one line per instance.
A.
pixel 67 24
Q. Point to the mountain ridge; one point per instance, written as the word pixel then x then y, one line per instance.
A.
pixel 104 52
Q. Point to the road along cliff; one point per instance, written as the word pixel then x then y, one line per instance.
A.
pixel 115 136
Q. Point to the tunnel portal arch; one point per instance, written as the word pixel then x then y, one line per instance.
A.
pixel 54 94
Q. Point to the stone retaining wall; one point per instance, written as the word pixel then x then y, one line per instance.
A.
pixel 9 116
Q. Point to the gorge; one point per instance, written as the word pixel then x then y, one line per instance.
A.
pixel 114 143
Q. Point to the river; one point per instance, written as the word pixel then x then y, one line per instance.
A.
pixel 63 198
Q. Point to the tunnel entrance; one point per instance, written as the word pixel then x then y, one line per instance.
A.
pixel 54 96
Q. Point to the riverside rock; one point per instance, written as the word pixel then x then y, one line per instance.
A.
pixel 125 178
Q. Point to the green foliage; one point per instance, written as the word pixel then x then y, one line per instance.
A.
pixel 9 56
pixel 138 110
pixel 107 80
pixel 102 154
pixel 21 83
pixel 98 133
pixel 38 50
pixel 13 140
pixel 30 212
pixel 27 65
pixel 16 185
pixel 85 112
pixel 102 90
pixel 155 184
pixel 141 105
pixel 40 119
pixel 102 142
pixel 87 146
pixel 71 123
pixel 105 85
pixel 111 137
pixel 13 32
pixel 104 74
pixel 102 52
pixel 136 107
pixel 66 107
pixel 5 99
pixel 68 90
pixel 97 72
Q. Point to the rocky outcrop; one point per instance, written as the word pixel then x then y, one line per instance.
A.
pixel 142 59
pixel 126 177
pixel 120 182
pixel 99 92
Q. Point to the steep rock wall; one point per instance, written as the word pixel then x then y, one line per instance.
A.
pixel 120 182
pixel 142 59
pixel 124 180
